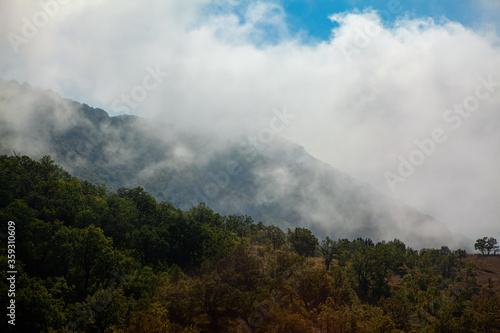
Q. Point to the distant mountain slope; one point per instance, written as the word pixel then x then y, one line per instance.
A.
pixel 277 183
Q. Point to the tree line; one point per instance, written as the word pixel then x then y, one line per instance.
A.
pixel 93 261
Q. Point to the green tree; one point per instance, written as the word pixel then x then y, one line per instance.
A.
pixel 102 309
pixel 328 249
pixel 480 245
pixel 39 308
pixel 486 245
pixel 204 215
pixel 461 254
pixel 122 216
pixel 276 236
pixel 491 246
pixel 238 224
pixel 150 244
pixel 86 256
pixel 313 287
pixel 370 269
pixel 303 241
pixel 145 203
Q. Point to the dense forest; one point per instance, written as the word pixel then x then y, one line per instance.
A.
pixel 92 261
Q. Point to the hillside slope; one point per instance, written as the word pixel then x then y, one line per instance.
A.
pixel 278 183
pixel 488 270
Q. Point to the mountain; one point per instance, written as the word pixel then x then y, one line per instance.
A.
pixel 277 182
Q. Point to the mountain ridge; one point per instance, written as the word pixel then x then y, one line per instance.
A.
pixel 280 183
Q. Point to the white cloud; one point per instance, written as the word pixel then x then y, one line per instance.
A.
pixel 358 114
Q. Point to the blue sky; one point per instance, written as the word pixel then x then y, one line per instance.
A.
pixel 310 17
pixel 313 15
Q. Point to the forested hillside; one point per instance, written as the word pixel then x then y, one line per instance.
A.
pixel 92 261
pixel 276 182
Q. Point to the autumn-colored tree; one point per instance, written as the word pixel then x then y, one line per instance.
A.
pixel 284 321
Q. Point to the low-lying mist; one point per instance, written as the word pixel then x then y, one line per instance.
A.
pixel 262 175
